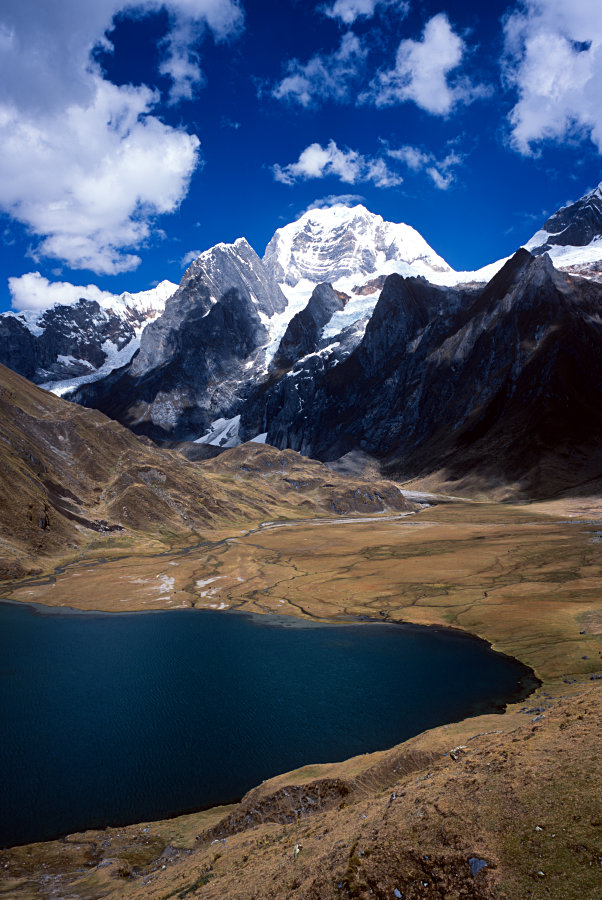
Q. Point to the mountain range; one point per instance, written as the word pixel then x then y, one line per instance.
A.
pixel 353 341
pixel 71 343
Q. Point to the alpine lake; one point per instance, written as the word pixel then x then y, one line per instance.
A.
pixel 111 718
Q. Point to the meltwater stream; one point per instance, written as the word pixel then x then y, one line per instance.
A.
pixel 108 719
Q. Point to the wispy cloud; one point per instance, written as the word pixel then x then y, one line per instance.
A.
pixel 190 258
pixel 324 76
pixel 553 59
pixel 335 200
pixel 440 171
pixel 189 21
pixel 349 166
pixel 348 11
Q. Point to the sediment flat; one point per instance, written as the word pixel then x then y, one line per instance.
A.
pixel 528 579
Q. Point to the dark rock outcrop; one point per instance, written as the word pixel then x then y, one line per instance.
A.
pixel 575 225
pixel 302 335
pixel 68 341
pixel 505 380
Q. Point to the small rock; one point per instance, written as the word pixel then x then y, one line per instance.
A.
pixel 397 893
pixel 476 865
pixel 541 874
pixel 538 828
pixel 457 752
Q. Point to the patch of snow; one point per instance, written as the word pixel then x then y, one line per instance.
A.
pixel 115 359
pixel 573 256
pixel 298 298
pixel 151 303
pixel 73 361
pixel 259 438
pixel 145 305
pixel 481 276
pixel 355 309
pixel 203 582
pixel 167 582
pixel 29 318
pixel 222 433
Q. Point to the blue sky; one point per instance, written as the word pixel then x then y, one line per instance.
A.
pixel 134 134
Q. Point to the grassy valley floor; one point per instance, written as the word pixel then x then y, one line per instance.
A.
pixel 522 792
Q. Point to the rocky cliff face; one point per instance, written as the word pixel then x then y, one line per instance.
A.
pixel 573 236
pixel 304 330
pixel 196 360
pixel 80 341
pixel 505 380
pixel 574 225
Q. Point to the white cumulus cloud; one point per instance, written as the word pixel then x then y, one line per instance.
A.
pixel 324 76
pixel 85 165
pixel 350 10
pixel 45 47
pixel 89 179
pixel 423 72
pixel 349 166
pixel 554 62
pixel 33 291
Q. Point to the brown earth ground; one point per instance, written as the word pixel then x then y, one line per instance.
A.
pixel 523 792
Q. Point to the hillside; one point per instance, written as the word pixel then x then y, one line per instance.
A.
pixel 73 479
pixel 495 808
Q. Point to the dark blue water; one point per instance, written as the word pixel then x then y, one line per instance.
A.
pixel 110 719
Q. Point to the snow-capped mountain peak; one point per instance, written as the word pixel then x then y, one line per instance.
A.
pixel 144 303
pixel 573 235
pixel 345 245
pixel 80 340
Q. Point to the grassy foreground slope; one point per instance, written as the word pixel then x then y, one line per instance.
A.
pixel 519 792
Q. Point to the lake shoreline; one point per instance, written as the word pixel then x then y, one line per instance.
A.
pixel 530 590
pixel 459 646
